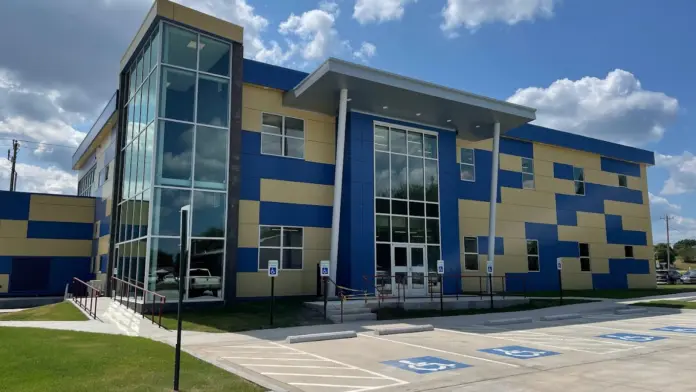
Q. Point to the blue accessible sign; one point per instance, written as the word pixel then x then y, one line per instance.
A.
pixel 519 352
pixel 426 365
pixel 676 329
pixel 631 337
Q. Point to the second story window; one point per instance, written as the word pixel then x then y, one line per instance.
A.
pixel 527 173
pixel 467 166
pixel 84 186
pixel 623 182
pixel 579 179
pixel 283 136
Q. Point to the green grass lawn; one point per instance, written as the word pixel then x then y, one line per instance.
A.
pixel 245 316
pixel 619 294
pixel 670 304
pixel 38 360
pixel 62 311
pixel 397 313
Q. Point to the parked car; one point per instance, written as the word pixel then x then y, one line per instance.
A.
pixel 689 277
pixel 201 280
pixel 673 276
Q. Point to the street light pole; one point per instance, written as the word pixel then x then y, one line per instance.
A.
pixel 183 257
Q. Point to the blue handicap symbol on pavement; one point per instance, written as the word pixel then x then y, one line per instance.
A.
pixel 425 365
pixel 519 352
pixel 631 337
pixel 676 329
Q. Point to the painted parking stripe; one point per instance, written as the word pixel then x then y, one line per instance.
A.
pixel 309 384
pixel 584 343
pixel 276 359
pixel 438 350
pixel 626 330
pixel 573 338
pixel 321 375
pixel 293 366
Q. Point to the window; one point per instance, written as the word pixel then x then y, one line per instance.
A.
pixel 471 254
pixel 628 251
pixel 527 173
pixel 533 255
pixel 585 258
pixel 579 178
pixel 84 186
pixel 623 182
pixel 280 243
pixel 467 164
pixel 104 175
pixel 282 136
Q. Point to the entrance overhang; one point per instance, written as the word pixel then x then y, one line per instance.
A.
pixel 371 90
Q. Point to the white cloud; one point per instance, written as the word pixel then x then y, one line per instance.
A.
pixel 316 31
pixel 682 173
pixel 661 206
pixel 366 11
pixel 32 178
pixel 615 108
pixel 680 227
pixel 473 13
pixel 367 51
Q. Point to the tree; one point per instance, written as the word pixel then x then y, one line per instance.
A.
pixel 661 253
pixel 686 249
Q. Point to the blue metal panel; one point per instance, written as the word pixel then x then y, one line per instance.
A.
pixel 609 282
pixel 294 215
pixel 64 269
pixel 449 211
pixel 516 147
pixel 615 193
pixel 103 263
pixel 105 226
pixel 479 190
pixel 60 230
pixel 579 203
pixel 247 259
pixel 563 171
pixel 30 274
pixel 5 264
pixel 483 245
pixel 617 235
pixel 14 205
pixel 509 179
pixel 99 208
pixel 629 266
pixel 535 133
pixel 272 76
pixel 620 167
pixel 566 218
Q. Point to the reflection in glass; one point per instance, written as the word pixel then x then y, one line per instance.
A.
pixel 146 60
pixel 415 144
pixel 139 72
pixel 205 269
pixel 168 203
pixel 294 147
pixel 124 222
pixel 433 257
pixel 155 47
pixel 144 213
pixel 382 229
pixel 266 254
pixel 470 245
pixel 431 180
pixel 433 231
pixel 430 146
pixel 532 247
pixel 214 57
pixel 127 171
pixel 398 141
pixel 211 158
pixel 270 123
pixel 163 276
pixel 381 138
pixel 399 229
pixel 417 230
pixel 137 109
pixel 578 174
pixel 398 176
pixel 292 259
pixel 152 101
pixel 527 181
pixel 382 206
pixel 417 257
pixel 270 236
pixel 294 127
pixel 383 259
pixel 174 154
pixel 179 47
pixel 381 174
pixel 416 186
pixel 271 144
pixel 148 135
pixel 140 159
pixel 471 262
pixel 142 253
pixel 213 101
pixel 292 237
pixel 208 215
pixel 467 155
pixel 467 173
pixel 178 94
pixel 137 216
pixel 131 121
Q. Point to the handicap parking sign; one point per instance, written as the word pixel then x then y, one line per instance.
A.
pixel 426 365
pixel 324 266
pixel 631 337
pixel 676 329
pixel 519 352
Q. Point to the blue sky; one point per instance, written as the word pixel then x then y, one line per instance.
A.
pixel 614 69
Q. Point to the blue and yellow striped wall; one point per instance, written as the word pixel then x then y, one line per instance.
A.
pixel 45 241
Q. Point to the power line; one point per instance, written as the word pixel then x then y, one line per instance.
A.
pixel 40 143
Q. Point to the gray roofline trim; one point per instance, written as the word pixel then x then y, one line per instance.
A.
pixel 406 83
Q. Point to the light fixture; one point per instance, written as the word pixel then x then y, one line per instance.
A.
pixel 192 45
pixel 385 107
pixel 478 126
pixel 349 99
pixel 449 121
pixel 418 114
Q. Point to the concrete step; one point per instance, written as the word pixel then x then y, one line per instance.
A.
pixel 337 311
pixel 353 317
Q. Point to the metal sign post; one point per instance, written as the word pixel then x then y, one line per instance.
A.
pixel 559 266
pixel 489 271
pixel 183 259
pixel 440 273
pixel 272 273
pixel 325 272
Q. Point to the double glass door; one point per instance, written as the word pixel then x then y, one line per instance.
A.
pixel 409 269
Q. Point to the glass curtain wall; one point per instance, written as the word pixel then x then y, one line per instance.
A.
pixel 406 196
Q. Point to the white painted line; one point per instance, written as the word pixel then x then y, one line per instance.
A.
pixel 258 347
pixel 399 382
pixel 309 384
pixel 275 359
pixel 264 353
pixel 517 340
pixel 322 375
pixel 294 366
pixel 571 338
pixel 675 334
pixel 440 351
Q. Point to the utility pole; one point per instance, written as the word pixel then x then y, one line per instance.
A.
pixel 666 218
pixel 13 158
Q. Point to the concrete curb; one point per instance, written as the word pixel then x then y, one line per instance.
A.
pixel 317 337
pixel 406 329
pixel 557 317
pixel 631 311
pixel 507 321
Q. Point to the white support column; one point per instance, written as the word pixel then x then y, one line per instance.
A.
pixel 494 195
pixel 338 186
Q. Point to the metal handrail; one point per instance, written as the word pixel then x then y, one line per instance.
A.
pixel 87 301
pixel 121 287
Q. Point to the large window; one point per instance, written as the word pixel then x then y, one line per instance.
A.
pixel 281 243
pixel 467 166
pixel 471 254
pixel 282 136
pixel 585 265
pixel 533 255
pixel 84 186
pixel 579 179
pixel 527 173
pixel 406 193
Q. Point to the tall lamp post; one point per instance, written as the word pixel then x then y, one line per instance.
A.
pixel 183 257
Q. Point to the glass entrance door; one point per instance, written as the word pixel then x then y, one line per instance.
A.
pixel 409 269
